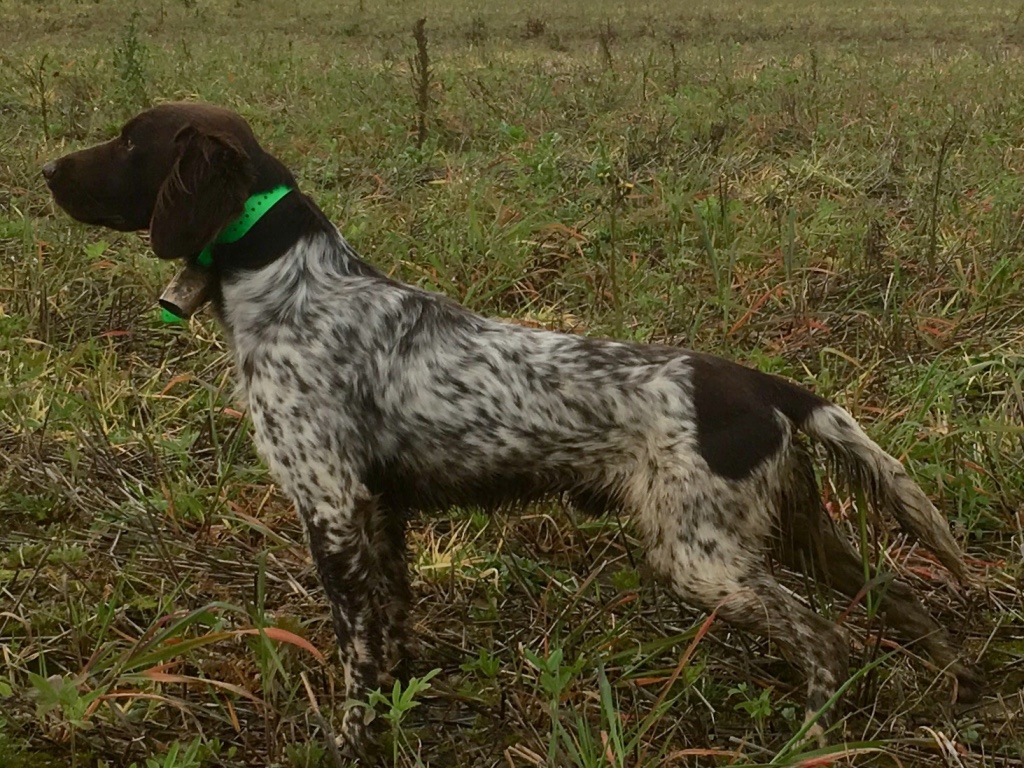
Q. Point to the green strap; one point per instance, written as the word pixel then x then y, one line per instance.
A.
pixel 255 208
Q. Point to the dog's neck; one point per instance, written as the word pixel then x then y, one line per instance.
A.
pixel 292 218
pixel 278 229
pixel 281 234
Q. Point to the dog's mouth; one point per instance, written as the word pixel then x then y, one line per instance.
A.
pixel 187 292
pixel 113 221
pixel 118 223
pixel 99 210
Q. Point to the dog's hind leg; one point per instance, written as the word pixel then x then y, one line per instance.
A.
pixel 725 576
pixel 808 541
pixel 707 536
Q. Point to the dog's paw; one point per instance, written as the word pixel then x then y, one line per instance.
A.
pixel 816 733
pixel 355 740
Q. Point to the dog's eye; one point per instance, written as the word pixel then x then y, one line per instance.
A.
pixel 129 145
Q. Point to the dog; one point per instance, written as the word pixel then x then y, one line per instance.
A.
pixel 371 400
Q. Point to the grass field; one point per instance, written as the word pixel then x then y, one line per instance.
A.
pixel 828 190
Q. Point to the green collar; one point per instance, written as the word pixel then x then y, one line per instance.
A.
pixel 255 207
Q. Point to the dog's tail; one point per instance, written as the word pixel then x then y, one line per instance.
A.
pixel 866 465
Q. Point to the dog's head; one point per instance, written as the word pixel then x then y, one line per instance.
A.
pixel 183 171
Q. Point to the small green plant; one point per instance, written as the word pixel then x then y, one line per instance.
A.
pixel 59 693
pixel 304 754
pixel 58 698
pixel 485 664
pixel 542 158
pixel 619 741
pixel 759 707
pixel 626 579
pixel 514 134
pixel 554 679
pixel 177 756
pixel 397 706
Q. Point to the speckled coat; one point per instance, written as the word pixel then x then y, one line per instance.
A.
pixel 372 399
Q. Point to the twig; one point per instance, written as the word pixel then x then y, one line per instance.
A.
pixel 421 78
pixel 332 744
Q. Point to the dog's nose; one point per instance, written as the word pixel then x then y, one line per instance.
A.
pixel 49 169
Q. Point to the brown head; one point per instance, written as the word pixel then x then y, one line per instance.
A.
pixel 181 170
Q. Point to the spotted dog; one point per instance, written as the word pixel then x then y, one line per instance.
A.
pixel 371 399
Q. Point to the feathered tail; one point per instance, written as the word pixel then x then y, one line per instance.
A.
pixel 867 466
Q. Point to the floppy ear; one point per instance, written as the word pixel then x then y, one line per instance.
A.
pixel 206 188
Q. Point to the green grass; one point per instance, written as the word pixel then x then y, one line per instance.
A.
pixel 831 191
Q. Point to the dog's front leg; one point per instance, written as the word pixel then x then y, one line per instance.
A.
pixel 342 540
pixel 341 520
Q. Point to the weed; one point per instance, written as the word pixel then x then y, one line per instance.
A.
pixel 605 36
pixel 534 27
pixel 477 32
pixel 34 76
pixel 130 57
pixel 759 708
pixel 933 218
pixel 486 664
pixel 554 679
pixel 396 707
pixel 176 756
pixel 59 696
pixel 420 67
